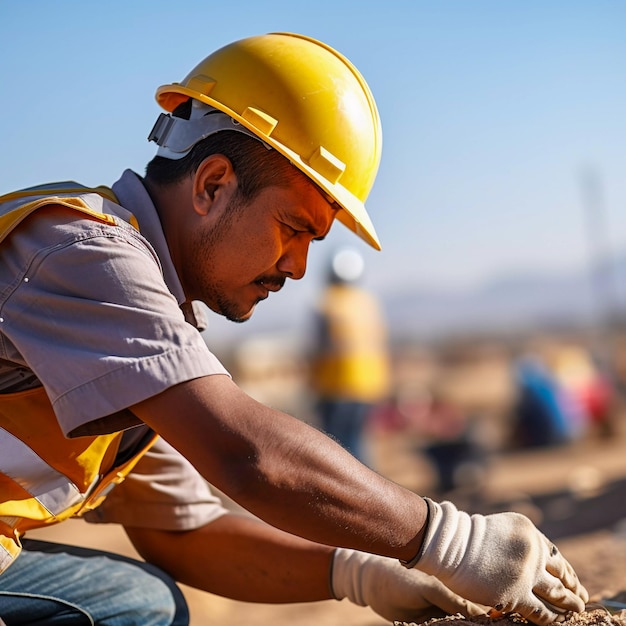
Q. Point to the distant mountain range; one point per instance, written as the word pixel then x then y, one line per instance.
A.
pixel 512 303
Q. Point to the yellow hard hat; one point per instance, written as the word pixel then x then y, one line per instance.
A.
pixel 304 99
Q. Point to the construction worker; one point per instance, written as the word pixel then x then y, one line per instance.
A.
pixel 104 377
pixel 350 364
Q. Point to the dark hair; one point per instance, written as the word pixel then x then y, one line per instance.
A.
pixel 255 165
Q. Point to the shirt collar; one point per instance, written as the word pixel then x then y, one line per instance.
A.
pixel 132 195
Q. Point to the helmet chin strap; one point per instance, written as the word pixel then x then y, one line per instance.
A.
pixel 176 136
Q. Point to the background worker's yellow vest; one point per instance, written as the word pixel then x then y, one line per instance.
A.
pixel 353 362
pixel 45 477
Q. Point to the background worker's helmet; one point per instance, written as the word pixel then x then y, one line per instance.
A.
pixel 346 266
pixel 302 98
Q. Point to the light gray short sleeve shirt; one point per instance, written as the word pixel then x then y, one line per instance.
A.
pixel 93 311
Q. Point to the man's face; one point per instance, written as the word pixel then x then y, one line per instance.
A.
pixel 247 250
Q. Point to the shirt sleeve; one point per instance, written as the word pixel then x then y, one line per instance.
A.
pixel 89 312
pixel 164 491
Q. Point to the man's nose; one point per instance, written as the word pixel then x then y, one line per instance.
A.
pixel 294 259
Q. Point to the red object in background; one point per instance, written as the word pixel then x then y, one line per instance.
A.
pixel 596 399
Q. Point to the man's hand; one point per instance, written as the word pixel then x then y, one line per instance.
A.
pixel 394 592
pixel 499 560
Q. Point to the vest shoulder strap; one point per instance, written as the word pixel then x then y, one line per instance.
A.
pixel 18 205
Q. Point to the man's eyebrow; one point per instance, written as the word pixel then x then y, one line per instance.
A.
pixel 307 225
pixel 304 221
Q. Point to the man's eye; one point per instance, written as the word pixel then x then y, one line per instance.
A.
pixel 290 229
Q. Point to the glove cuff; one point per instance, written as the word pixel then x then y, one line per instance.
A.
pixel 347 575
pixel 344 580
pixel 331 573
pixel 410 564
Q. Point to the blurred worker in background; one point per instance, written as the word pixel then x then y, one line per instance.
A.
pixel 350 361
pixel 562 395
pixel 588 384
pixel 113 407
pixel 542 417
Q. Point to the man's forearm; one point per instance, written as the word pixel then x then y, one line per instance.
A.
pixel 241 558
pixel 284 471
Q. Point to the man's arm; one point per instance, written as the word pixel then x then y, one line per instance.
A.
pixel 298 480
pixel 284 471
pixel 243 558
pixel 240 557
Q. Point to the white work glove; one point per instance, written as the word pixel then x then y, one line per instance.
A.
pixel 393 591
pixel 499 560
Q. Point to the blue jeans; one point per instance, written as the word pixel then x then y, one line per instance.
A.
pixel 52 584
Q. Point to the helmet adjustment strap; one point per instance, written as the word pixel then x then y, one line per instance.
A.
pixel 176 136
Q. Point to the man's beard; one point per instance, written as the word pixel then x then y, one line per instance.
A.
pixel 227 310
pixel 221 303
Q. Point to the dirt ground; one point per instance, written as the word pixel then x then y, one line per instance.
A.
pixel 593 617
pixel 557 488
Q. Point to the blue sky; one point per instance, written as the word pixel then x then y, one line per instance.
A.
pixel 491 109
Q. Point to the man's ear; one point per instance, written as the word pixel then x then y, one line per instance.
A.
pixel 214 176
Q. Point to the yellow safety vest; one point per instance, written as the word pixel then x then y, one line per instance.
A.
pixel 352 363
pixel 44 476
